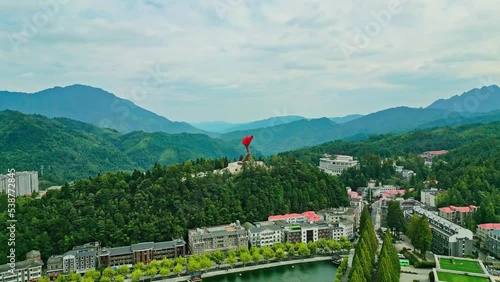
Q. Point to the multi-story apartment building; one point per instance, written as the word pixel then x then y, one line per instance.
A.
pixel 23 271
pixel 307 232
pixel 26 182
pixel 307 216
pixel 493 242
pixel 141 252
pixel 460 215
pixel 338 164
pixel 79 261
pixel 209 239
pixel 265 235
pixel 483 231
pixel 448 238
pixel 343 228
pixel 403 204
pixel 335 215
pixel 428 196
pixel 54 266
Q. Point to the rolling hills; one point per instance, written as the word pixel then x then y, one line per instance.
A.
pixel 91 105
pixel 72 149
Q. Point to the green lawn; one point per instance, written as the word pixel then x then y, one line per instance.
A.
pixel 450 277
pixel 461 265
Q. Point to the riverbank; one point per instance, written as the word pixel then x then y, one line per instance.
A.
pixel 241 269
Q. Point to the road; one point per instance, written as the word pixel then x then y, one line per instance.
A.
pixel 376 215
pixel 422 274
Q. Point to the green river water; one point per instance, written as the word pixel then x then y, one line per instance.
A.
pixel 323 271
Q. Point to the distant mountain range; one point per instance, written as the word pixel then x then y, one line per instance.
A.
pixel 272 135
pixel 477 100
pixel 71 149
pixel 91 105
pixel 225 127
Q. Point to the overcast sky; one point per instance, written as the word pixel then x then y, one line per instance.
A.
pixel 237 61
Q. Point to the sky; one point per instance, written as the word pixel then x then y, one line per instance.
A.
pixel 238 61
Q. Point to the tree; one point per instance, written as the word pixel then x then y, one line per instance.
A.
pixel 123 270
pixel 164 271
pixel 389 268
pixel 108 272
pixel 231 260
pixel 74 276
pixel 105 279
pixel 166 263
pixel 313 249
pixel 424 235
pixel 154 263
pixel 178 269
pixel 119 278
pixel 87 279
pixel 303 250
pixel 395 218
pixel 140 266
pixel 267 253
pixel 92 274
pixel 345 244
pixel 180 260
pixel 291 252
pixel 411 230
pixel 280 254
pixel 245 257
pixel 256 257
pixel 136 275
pixel 206 263
pixel 44 279
pixel 218 257
pixel 151 272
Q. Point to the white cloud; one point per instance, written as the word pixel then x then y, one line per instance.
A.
pixel 273 53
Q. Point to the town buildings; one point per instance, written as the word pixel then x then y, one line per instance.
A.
pixel 337 164
pixel 344 219
pixel 26 182
pixel 428 196
pixel 462 216
pixel 141 252
pixel 24 271
pixel 493 242
pixel 448 238
pixel 296 217
pixel 429 155
pixel 225 237
pixel 483 231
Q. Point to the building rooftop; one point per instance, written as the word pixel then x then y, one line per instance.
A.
pixel 458 209
pixel 21 265
pixel 495 232
pixel 55 259
pixel 490 226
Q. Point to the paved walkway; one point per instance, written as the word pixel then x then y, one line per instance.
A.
pixel 240 268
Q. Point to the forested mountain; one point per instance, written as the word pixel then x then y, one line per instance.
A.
pixel 70 149
pixel 470 172
pixel 345 119
pixel 297 134
pixel 118 209
pixel 91 105
pixel 477 100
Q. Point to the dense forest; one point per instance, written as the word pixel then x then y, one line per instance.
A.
pixel 120 208
pixel 70 149
pixel 470 172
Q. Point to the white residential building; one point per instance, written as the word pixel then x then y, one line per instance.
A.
pixel 448 238
pixel 24 271
pixel 265 235
pixel 26 182
pixel 428 196
pixel 338 164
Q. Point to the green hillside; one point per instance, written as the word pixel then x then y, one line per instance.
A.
pixel 70 149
